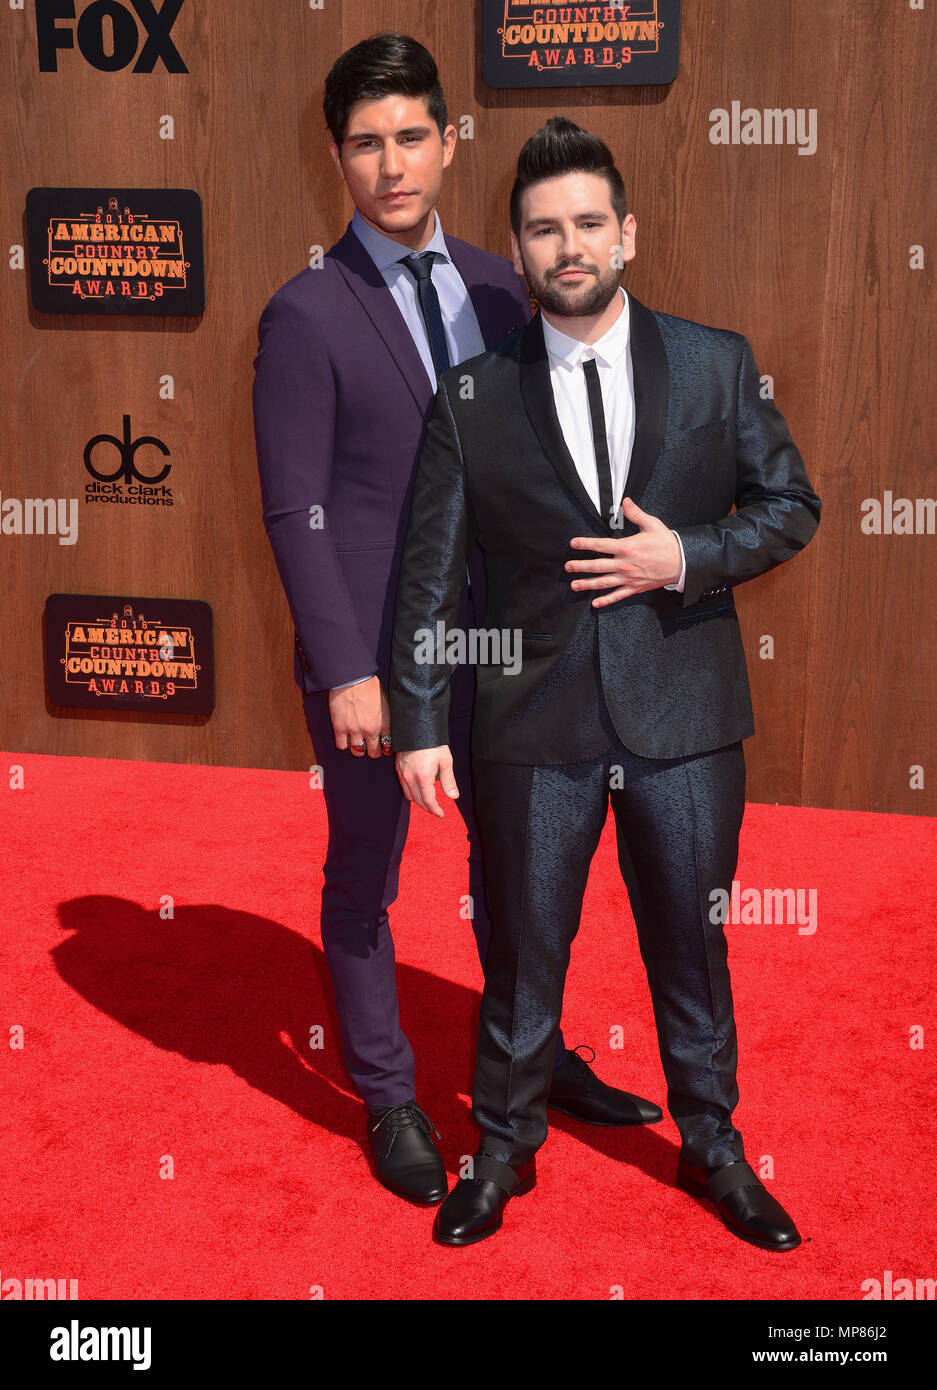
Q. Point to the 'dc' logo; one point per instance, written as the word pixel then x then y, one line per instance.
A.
pixel 126 448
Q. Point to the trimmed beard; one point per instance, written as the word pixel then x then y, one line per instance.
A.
pixel 591 299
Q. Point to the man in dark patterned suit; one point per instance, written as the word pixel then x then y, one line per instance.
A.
pixel 630 436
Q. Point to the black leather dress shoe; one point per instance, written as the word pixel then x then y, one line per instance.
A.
pixel 473 1209
pixel 746 1207
pixel 577 1091
pixel 407 1160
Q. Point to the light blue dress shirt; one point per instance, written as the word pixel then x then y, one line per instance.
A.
pixel 463 335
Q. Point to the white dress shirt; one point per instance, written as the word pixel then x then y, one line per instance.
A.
pixel 612 354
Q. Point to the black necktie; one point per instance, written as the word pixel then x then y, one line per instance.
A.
pixel 599 439
pixel 421 268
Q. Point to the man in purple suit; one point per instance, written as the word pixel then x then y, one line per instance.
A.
pixel 346 374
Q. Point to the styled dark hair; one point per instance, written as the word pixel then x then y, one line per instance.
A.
pixel 382 66
pixel 561 147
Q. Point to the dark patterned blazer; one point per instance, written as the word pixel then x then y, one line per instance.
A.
pixel 669 668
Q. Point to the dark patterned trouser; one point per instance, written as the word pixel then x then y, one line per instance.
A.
pixel 678 823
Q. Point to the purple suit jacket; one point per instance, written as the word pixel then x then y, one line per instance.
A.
pixel 341 399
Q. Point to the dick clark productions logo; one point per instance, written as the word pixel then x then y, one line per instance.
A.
pixel 118 477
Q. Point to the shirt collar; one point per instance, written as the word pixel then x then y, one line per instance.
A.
pixel 570 352
pixel 384 251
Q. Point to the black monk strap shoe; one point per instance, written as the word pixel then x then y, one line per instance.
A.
pixel 473 1209
pixel 576 1090
pixel 746 1207
pixel 407 1160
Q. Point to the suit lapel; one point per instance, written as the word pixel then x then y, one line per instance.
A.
pixel 651 374
pixel 479 292
pixel 537 395
pixel 369 286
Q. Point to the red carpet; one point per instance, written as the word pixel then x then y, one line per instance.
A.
pixel 150 1040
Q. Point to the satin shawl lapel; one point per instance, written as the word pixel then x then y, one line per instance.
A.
pixel 537 395
pixel 651 374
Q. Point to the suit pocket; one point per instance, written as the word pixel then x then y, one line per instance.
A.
pixel 711 609
pixel 341 546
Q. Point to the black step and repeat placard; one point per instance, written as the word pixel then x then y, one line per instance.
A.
pixel 612 44
pixel 120 653
pixel 116 250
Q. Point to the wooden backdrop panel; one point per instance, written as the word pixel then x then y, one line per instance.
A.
pixel 808 256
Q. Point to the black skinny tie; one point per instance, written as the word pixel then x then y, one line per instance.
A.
pixel 599 438
pixel 421 268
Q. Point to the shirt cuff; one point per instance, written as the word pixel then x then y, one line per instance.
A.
pixel 678 587
pixel 346 684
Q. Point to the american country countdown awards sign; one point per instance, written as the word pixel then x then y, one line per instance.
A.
pixel 118 653
pixel 609 44
pixel 116 250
